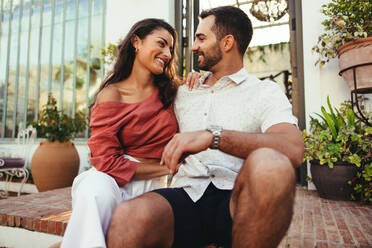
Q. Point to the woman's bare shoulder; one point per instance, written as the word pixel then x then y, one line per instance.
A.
pixel 109 94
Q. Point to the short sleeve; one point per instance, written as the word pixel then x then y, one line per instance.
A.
pixel 276 106
pixel 107 152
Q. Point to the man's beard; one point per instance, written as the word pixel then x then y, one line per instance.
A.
pixel 214 56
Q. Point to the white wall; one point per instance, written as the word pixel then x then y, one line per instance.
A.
pixel 121 15
pixel 319 83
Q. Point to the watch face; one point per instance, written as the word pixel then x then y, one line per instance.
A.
pixel 216 132
pixel 214 128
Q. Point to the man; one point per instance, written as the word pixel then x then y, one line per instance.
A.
pixel 238 186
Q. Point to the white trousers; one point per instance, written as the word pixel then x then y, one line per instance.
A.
pixel 95 195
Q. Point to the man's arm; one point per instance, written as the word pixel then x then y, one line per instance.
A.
pixel 283 137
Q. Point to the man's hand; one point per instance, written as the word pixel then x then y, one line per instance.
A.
pixel 183 144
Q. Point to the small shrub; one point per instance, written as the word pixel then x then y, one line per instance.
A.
pixel 54 125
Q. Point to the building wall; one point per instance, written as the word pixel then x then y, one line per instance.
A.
pixel 275 61
pixel 319 82
pixel 121 15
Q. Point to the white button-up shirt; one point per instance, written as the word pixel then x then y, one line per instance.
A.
pixel 239 102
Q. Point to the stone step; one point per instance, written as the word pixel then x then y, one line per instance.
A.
pixel 316 222
pixel 46 212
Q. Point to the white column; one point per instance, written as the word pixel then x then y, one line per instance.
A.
pixel 319 82
pixel 121 15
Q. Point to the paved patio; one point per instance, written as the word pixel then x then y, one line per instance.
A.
pixel 320 223
pixel 46 212
pixel 316 222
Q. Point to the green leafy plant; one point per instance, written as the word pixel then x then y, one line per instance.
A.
pixel 338 136
pixel 363 187
pixel 54 125
pixel 346 20
pixel 363 181
pixel 110 52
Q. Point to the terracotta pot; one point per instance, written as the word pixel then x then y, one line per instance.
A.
pixel 353 53
pixel 332 183
pixel 54 165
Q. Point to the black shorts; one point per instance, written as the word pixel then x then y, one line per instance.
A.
pixel 206 221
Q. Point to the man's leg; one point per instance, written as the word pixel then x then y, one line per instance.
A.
pixel 146 221
pixel 262 200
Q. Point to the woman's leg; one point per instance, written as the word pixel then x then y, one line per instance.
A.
pixel 95 195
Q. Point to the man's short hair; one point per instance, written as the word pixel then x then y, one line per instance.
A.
pixel 231 20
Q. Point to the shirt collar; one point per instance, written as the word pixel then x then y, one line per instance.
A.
pixel 238 77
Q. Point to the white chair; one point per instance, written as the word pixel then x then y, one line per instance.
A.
pixel 14 163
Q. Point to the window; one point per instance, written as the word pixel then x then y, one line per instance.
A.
pixel 48 46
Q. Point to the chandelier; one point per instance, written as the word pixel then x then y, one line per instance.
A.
pixel 269 10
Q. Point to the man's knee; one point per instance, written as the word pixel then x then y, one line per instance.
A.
pixel 144 220
pixel 267 162
pixel 266 169
pixel 132 214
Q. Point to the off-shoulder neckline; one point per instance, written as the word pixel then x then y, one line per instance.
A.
pixel 116 103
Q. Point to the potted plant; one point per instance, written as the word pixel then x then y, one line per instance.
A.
pixel 348 31
pixel 339 150
pixel 55 162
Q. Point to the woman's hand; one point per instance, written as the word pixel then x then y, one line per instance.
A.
pixel 149 168
pixel 192 79
pixel 183 144
pixel 148 171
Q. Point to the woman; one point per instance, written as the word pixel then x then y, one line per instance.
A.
pixel 131 121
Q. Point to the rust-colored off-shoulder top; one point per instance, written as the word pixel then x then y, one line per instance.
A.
pixel 137 129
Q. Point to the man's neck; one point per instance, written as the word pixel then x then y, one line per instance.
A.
pixel 224 68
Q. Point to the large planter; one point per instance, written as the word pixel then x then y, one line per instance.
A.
pixel 332 183
pixel 54 165
pixel 355 53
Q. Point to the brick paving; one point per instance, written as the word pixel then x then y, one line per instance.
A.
pixel 321 223
pixel 316 222
pixel 46 212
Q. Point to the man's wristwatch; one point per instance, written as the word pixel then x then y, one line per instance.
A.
pixel 216 131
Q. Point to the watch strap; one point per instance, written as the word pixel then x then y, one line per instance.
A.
pixel 216 132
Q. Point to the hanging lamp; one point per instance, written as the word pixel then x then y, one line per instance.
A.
pixel 269 10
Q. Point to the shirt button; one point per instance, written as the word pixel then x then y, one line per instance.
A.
pixel 205 114
pixel 212 91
